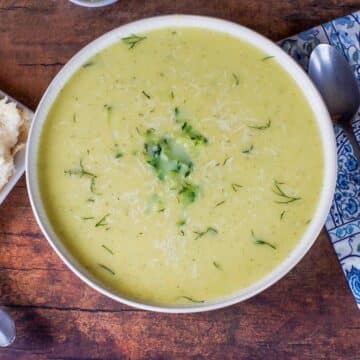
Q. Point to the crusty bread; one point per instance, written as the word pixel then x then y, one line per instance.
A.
pixel 14 126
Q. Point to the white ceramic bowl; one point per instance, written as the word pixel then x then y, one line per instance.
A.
pixel 268 47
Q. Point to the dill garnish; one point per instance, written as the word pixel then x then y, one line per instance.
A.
pixel 109 110
pixel 172 95
pixel 261 127
pixel 282 215
pixel 189 193
pixel 258 241
pixel 217 265
pixel 191 299
pixel 193 134
pixel 236 187
pixel 74 117
pixel 92 185
pixel 90 200
pixel 168 158
pixel 188 129
pixel 181 222
pixel 220 203
pixel 107 249
pixel 226 160
pixel 248 150
pixel 102 221
pixel 87 218
pixel 112 272
pixel 89 63
pixel 267 58
pixel 236 78
pixel 209 230
pixel 108 107
pixel 182 232
pixel 146 94
pixel 133 40
pixel 80 171
pixel 117 153
pixel 286 199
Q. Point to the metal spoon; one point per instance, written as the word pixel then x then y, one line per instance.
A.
pixel 7 329
pixel 335 80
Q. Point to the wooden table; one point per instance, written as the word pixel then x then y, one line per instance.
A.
pixel 309 314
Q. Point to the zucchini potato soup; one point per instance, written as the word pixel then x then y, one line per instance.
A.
pixel 180 166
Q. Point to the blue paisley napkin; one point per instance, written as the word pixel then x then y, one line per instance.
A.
pixel 343 223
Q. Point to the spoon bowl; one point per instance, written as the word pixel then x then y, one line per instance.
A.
pixel 7 329
pixel 335 80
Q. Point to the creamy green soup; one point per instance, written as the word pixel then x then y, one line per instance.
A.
pixel 180 166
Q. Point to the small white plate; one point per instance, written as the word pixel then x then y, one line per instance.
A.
pixel 19 157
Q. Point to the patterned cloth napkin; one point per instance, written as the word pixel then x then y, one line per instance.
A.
pixel 343 223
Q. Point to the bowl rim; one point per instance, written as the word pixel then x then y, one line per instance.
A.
pixel 213 24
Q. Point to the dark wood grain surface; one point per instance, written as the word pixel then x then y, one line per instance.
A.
pixel 309 314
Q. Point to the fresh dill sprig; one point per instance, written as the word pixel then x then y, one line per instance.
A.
pixel 133 40
pixel 286 198
pixel 117 153
pixel 236 79
pixel 267 58
pixel 102 221
pixel 248 150
pixel 193 134
pixel 226 160
pixel 89 63
pixel 209 230
pixel 168 158
pixel 92 186
pixel 181 222
pixel 191 299
pixel 112 272
pixel 189 193
pixel 146 94
pixel 236 187
pixel 87 218
pixel 188 129
pixel 220 203
pixel 261 127
pixel 80 171
pixel 282 215
pixel 258 241
pixel 107 249
pixel 217 265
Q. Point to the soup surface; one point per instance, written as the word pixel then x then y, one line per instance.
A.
pixel 180 166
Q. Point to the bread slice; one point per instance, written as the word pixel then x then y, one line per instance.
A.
pixel 14 126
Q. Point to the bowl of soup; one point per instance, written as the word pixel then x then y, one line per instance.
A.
pixel 181 164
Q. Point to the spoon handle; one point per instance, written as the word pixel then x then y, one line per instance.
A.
pixel 349 131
